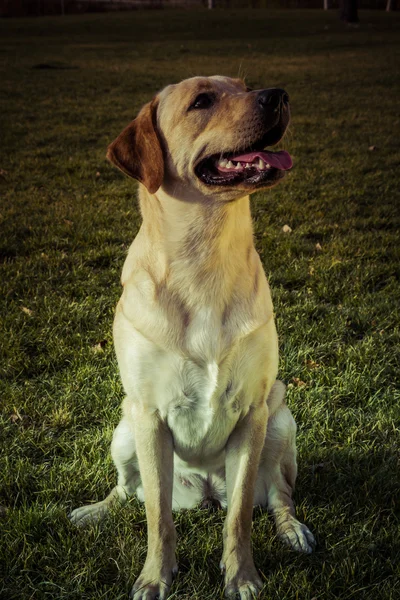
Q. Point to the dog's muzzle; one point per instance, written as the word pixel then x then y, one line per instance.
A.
pixel 254 166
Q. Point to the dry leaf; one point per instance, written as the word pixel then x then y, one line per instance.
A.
pixel 27 311
pixel 98 174
pixel 298 382
pixel 68 222
pixel 99 347
pixel 372 148
pixel 318 247
pixel 287 229
pixel 311 364
pixel 16 416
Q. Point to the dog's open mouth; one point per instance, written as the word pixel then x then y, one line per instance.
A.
pixel 250 167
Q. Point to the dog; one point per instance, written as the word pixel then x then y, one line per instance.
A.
pixel 204 417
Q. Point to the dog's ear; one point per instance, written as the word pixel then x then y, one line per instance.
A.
pixel 137 150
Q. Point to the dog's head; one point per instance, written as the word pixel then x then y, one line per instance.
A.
pixel 209 133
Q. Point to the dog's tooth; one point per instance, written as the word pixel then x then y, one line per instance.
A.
pixel 229 165
pixel 238 166
pixel 261 164
pixel 248 166
pixel 222 163
pixel 267 166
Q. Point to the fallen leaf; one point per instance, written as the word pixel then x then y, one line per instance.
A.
pixel 27 311
pixel 20 420
pixel 68 222
pixel 99 347
pixel 318 247
pixel 98 174
pixel 287 229
pixel 372 148
pixel 298 382
pixel 311 364
pixel 15 417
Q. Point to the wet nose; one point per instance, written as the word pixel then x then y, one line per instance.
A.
pixel 273 98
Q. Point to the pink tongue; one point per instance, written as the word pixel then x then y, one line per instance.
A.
pixel 280 160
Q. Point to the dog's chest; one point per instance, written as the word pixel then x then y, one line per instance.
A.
pixel 200 413
pixel 201 388
pixel 203 410
pixel 205 339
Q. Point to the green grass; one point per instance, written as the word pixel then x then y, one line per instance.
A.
pixel 67 218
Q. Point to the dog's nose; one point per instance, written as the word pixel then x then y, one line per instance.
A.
pixel 274 98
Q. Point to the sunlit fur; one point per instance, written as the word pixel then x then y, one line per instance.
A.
pixel 198 354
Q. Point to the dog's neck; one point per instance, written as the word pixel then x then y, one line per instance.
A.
pixel 203 246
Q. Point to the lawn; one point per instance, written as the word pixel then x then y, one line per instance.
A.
pixel 67 217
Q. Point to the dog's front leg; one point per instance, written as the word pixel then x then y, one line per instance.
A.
pixel 154 446
pixel 242 460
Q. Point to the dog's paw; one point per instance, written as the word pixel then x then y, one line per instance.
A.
pixel 297 536
pixel 150 591
pixel 246 591
pixel 153 584
pixel 91 513
pixel 241 581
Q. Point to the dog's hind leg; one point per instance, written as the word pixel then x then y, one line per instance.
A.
pixel 123 451
pixel 277 475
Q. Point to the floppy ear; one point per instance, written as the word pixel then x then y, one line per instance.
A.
pixel 137 150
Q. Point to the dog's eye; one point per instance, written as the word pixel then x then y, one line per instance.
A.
pixel 203 101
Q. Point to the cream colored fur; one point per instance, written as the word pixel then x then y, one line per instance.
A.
pixel 194 331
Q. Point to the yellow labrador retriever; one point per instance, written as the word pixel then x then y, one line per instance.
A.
pixel 204 417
